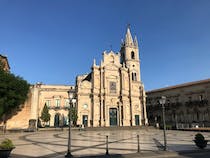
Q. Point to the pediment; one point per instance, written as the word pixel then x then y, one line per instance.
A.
pixel 111 57
pixel 112 77
pixel 111 66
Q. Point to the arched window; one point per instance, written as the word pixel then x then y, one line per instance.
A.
pixel 122 57
pixel 134 77
pixel 132 55
pixel 112 59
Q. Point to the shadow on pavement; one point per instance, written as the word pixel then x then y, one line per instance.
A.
pixel 199 153
pixel 145 154
pixel 63 156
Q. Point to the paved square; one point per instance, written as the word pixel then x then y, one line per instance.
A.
pixel 54 143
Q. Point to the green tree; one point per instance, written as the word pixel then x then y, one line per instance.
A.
pixel 13 93
pixel 74 116
pixel 45 116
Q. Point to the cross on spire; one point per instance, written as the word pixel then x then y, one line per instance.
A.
pixel 129 26
pixel 111 47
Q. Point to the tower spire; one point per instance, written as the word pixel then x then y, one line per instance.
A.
pixel 128 37
pixel 135 41
pixel 94 62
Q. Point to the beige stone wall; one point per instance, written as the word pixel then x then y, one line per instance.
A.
pixel 39 95
pixel 83 98
pixel 57 98
pixel 20 120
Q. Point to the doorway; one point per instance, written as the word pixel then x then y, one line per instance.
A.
pixel 113 116
pixel 85 120
pixel 137 120
pixel 56 120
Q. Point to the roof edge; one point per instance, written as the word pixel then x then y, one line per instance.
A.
pixel 180 85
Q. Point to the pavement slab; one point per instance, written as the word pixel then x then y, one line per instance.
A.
pixel 121 143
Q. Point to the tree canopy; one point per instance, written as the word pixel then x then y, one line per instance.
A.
pixel 13 92
pixel 45 116
pixel 74 116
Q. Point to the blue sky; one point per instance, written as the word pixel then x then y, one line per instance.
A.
pixel 52 41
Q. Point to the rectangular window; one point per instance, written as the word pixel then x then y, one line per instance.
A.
pixel 67 102
pixel 47 102
pixel 113 87
pixel 57 102
pixel 200 97
pixel 134 76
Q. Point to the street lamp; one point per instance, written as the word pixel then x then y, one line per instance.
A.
pixel 162 102
pixel 71 103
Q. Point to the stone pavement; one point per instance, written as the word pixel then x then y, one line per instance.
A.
pixel 122 143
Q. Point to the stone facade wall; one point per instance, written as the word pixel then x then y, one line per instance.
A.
pixel 20 120
pixel 187 105
pixel 57 99
pixel 40 95
pixel 112 94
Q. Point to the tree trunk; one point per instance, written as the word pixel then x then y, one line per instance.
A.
pixel 4 123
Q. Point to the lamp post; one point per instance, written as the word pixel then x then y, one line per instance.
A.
pixel 71 102
pixel 162 102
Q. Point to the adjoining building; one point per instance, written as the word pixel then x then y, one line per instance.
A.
pixel 54 96
pixel 4 62
pixel 112 94
pixel 57 100
pixel 187 105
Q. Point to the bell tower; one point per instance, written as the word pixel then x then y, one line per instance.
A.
pixel 130 55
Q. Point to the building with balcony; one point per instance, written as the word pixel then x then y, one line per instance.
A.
pixel 187 105
pixel 54 96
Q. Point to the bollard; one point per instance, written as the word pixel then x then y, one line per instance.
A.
pixel 107 150
pixel 138 150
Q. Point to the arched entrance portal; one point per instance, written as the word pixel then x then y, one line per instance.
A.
pixel 113 116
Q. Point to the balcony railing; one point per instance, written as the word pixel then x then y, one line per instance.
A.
pixel 199 103
pixel 58 107
pixel 167 106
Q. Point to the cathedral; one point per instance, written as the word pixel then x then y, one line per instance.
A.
pixel 112 94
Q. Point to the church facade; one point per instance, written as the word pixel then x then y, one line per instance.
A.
pixel 112 94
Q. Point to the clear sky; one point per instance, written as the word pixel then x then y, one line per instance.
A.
pixel 52 41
